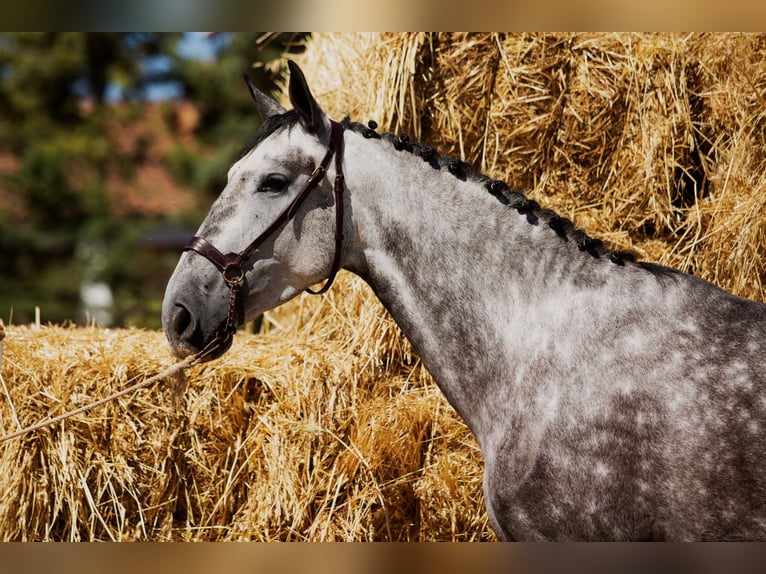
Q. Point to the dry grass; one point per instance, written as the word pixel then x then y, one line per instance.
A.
pixel 326 427
pixel 329 431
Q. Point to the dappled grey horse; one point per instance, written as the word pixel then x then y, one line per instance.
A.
pixel 612 399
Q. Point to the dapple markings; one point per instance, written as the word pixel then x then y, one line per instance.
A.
pixel 612 399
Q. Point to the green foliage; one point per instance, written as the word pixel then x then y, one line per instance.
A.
pixel 181 163
pixel 38 71
pixel 61 179
pixel 60 220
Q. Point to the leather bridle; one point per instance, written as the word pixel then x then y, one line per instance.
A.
pixel 231 265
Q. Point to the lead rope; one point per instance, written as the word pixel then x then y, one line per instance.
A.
pixel 224 337
pixel 175 370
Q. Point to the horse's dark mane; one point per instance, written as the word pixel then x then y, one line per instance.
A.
pixel 268 127
pixel 511 197
pixel 507 196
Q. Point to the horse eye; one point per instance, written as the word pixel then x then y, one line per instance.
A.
pixel 273 182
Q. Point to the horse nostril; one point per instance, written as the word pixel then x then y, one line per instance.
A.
pixel 185 329
pixel 182 321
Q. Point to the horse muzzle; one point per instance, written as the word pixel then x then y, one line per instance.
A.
pixel 187 336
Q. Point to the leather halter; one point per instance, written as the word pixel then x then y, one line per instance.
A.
pixel 231 264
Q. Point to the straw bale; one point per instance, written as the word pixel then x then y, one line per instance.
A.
pixel 325 426
pixel 309 434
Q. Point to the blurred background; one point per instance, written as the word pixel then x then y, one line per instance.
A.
pixel 112 148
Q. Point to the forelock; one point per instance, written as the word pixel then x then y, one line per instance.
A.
pixel 268 127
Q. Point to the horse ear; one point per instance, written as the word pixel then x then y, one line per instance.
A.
pixel 267 106
pixel 312 116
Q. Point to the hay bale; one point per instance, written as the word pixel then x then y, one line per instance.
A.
pixel 326 426
pixel 313 434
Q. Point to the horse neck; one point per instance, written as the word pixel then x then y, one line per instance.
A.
pixel 455 267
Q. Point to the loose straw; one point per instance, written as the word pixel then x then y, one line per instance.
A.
pixel 169 372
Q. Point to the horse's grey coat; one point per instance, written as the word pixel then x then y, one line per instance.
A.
pixel 612 400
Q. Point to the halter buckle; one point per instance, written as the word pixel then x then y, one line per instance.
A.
pixel 317 174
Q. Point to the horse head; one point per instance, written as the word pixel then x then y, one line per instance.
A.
pixel 274 221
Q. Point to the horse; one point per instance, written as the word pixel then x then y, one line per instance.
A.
pixel 612 399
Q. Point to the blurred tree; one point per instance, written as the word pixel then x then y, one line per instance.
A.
pixel 46 74
pixel 227 113
pixel 70 106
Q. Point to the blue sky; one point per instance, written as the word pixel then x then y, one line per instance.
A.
pixel 199 46
pixel 193 45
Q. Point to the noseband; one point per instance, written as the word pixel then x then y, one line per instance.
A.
pixel 231 265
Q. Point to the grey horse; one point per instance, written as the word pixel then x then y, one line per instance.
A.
pixel 612 399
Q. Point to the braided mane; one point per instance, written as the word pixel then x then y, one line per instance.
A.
pixel 511 197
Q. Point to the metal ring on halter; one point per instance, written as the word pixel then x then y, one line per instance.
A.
pixel 230 265
pixel 233 273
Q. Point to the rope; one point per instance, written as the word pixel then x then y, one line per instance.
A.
pixel 169 372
